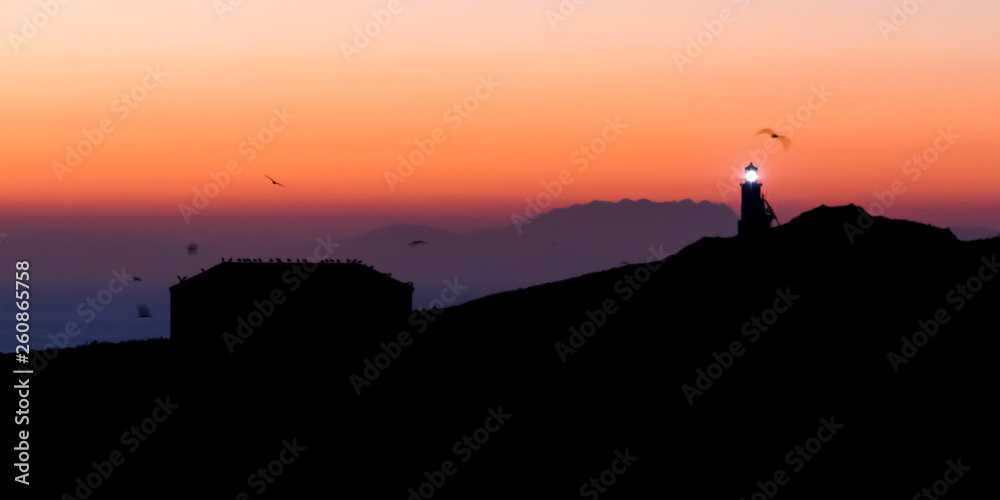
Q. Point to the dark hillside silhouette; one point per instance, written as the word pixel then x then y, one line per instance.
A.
pixel 638 361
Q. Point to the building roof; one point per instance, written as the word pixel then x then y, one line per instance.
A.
pixel 236 272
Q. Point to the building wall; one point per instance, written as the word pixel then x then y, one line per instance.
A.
pixel 261 307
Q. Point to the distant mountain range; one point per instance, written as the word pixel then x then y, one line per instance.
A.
pixel 559 244
pixel 974 233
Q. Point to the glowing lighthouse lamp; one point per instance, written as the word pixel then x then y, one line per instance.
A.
pixel 756 213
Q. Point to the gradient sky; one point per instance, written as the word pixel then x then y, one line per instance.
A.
pixel 689 125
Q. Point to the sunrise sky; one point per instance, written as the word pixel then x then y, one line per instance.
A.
pixel 204 76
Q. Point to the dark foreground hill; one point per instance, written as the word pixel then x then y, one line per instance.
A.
pixel 838 356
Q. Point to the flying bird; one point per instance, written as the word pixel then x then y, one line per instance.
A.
pixel 417 242
pixel 274 181
pixel 192 249
pixel 136 278
pixel 785 141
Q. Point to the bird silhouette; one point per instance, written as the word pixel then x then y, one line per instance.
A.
pixel 417 242
pixel 192 248
pixel 144 311
pixel 274 181
pixel 136 278
pixel 785 141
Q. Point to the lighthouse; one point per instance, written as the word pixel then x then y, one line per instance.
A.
pixel 755 213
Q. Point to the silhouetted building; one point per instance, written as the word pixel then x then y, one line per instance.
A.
pixel 256 307
pixel 755 213
pixel 264 354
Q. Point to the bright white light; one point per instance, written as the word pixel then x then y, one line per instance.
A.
pixel 751 176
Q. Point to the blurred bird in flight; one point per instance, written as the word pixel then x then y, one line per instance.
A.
pixel 785 141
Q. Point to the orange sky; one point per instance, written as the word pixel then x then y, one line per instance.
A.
pixel 222 74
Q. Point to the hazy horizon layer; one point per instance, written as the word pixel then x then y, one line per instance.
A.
pixel 72 265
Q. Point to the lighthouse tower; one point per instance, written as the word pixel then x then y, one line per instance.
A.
pixel 755 213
